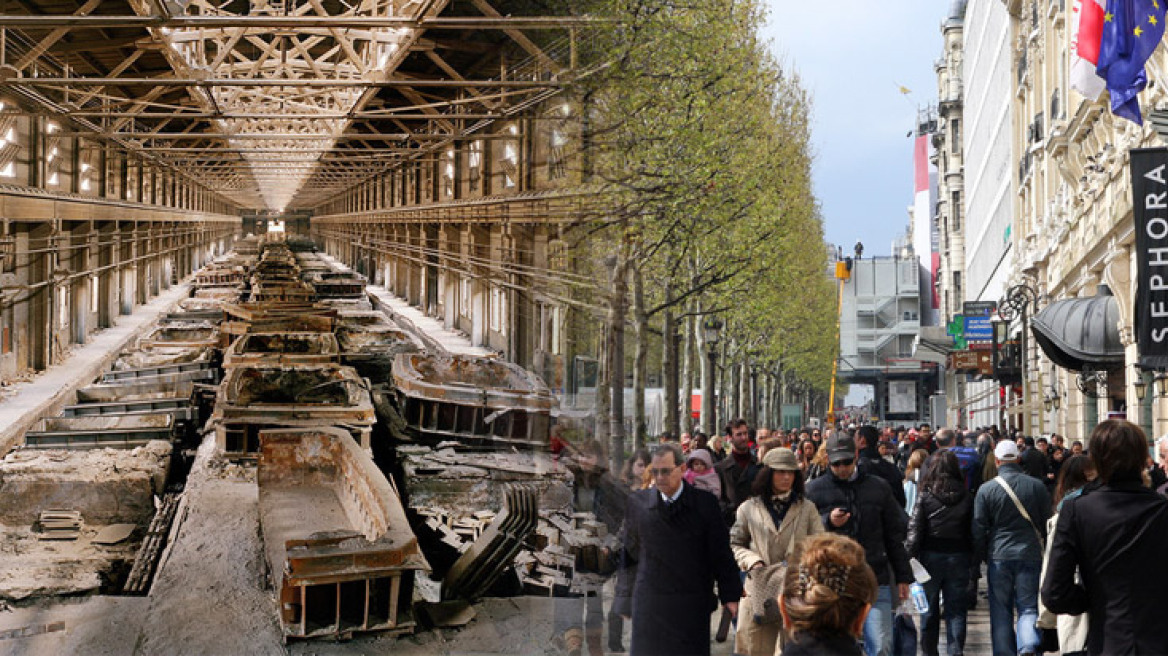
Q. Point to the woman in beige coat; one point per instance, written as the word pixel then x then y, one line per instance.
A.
pixel 776 500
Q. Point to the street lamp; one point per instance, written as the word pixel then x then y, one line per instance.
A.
pixel 1161 383
pixel 1019 302
pixel 1052 399
pixel 1140 385
pixel 711 332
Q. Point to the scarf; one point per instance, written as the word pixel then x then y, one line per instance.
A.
pixel 777 506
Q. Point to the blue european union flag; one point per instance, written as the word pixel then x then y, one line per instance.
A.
pixel 1131 31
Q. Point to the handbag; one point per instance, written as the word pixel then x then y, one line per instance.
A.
pixel 904 635
pixel 763 587
pixel 1049 641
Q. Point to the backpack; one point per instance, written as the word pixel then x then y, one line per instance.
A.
pixel 970 465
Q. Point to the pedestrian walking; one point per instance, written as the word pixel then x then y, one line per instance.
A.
pixel 1074 476
pixel 633 472
pixel 967 456
pixel 828 593
pixel 1032 460
pixel 1114 536
pixel 870 461
pixel 912 478
pixel 862 507
pixel 806 454
pixel 1009 524
pixel 939 536
pixel 819 465
pixel 737 470
pixel 775 519
pixel 680 546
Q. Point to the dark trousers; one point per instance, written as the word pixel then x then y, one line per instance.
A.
pixel 950 580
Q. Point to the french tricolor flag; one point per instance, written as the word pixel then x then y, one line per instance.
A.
pixel 1086 35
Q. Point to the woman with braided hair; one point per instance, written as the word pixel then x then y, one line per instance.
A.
pixel 827 593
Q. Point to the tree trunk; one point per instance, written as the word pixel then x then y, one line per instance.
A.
pixel 733 410
pixel 708 416
pixel 745 397
pixel 685 396
pixel 669 368
pixel 616 322
pixel 641 335
pixel 603 388
pixel 762 393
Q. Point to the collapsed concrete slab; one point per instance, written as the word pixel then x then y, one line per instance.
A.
pixel 335 534
pixel 455 481
pixel 107 486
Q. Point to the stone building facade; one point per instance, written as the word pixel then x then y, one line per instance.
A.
pixel 1071 226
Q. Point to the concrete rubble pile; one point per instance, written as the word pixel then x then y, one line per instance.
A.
pixel 453 492
pixel 102 488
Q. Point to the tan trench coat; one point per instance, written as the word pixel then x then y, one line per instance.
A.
pixel 754 540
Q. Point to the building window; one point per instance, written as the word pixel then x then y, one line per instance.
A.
pixel 556 168
pixel 9 149
pixel 954 135
pixel 955 211
pixel 464 294
pixel 498 311
pixel 448 175
pixel 474 163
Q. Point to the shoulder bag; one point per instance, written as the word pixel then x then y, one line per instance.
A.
pixel 1018 504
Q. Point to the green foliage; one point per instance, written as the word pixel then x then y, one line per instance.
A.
pixel 699 143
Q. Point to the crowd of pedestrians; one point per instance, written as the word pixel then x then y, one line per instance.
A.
pixel 809 540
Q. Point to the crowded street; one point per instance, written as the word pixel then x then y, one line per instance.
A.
pixel 583 327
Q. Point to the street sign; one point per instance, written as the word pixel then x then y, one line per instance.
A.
pixel 977 328
pixel 978 308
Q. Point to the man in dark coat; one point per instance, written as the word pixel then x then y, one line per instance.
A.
pixel 871 462
pixel 1032 460
pixel 675 547
pixel 736 471
pixel 1114 536
pixel 861 506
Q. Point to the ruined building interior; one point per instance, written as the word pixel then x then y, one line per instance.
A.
pixel 280 345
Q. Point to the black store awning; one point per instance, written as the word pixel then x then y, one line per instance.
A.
pixel 1081 332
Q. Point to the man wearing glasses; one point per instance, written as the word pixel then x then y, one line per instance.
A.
pixel 675 547
pixel 862 507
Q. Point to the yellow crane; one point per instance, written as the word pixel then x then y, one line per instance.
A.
pixel 843 273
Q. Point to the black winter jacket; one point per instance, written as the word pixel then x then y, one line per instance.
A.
pixel 878 523
pixel 1115 537
pixel 889 472
pixel 942 522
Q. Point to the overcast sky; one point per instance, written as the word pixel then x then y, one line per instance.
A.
pixel 853 56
